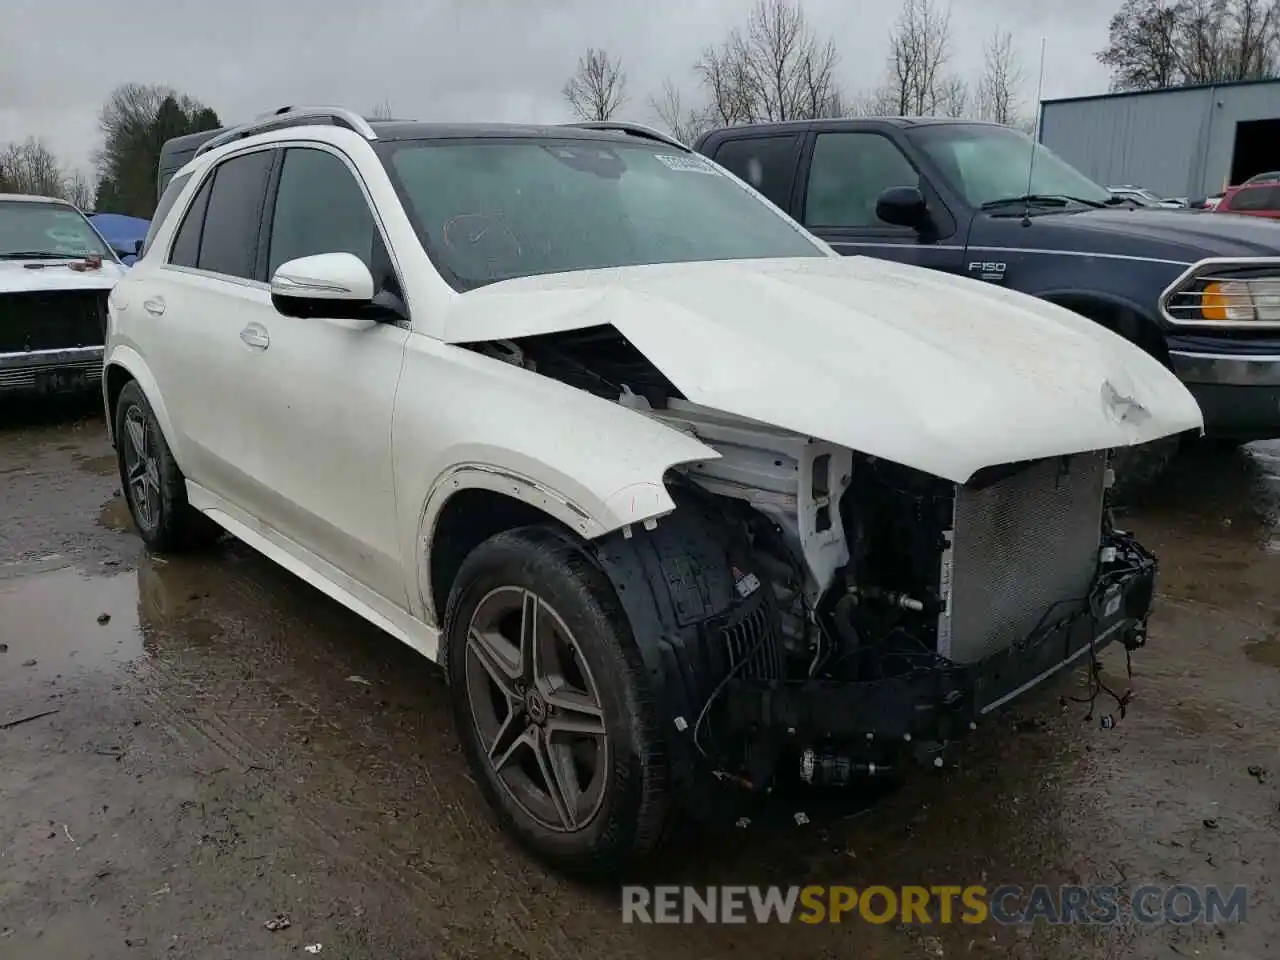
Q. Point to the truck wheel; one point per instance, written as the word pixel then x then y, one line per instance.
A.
pixel 153 485
pixel 552 704
pixel 1137 468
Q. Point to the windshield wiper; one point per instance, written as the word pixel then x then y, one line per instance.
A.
pixel 1039 199
pixel 39 255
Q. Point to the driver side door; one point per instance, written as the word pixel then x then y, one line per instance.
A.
pixel 323 387
pixel 846 172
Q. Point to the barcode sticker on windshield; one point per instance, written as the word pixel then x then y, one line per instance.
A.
pixel 685 164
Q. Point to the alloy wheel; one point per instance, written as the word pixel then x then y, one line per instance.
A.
pixel 142 468
pixel 536 709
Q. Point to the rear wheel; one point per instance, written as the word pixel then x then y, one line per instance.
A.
pixel 551 703
pixel 153 485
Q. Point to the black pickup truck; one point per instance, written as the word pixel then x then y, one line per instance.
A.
pixel 1200 291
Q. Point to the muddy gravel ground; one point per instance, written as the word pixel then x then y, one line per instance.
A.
pixel 221 744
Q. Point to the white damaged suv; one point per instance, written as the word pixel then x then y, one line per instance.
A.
pixel 685 503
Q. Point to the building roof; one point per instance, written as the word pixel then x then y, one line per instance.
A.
pixel 1121 94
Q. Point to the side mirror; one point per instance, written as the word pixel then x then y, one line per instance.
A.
pixel 324 285
pixel 903 207
pixel 137 247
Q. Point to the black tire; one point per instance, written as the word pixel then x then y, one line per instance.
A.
pixel 633 810
pixel 1138 468
pixel 166 522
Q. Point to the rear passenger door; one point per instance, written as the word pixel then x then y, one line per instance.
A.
pixel 845 173
pixel 196 304
pixel 767 162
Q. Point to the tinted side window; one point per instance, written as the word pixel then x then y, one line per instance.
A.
pixel 320 208
pixel 767 163
pixel 229 244
pixel 186 245
pixel 162 210
pixel 1256 198
pixel 848 174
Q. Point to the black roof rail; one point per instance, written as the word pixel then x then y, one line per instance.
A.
pixel 292 117
pixel 635 129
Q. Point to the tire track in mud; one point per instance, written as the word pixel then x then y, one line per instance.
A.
pixel 283 714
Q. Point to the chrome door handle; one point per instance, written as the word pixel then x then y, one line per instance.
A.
pixel 155 306
pixel 255 336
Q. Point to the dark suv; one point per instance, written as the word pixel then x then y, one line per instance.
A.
pixel 1200 292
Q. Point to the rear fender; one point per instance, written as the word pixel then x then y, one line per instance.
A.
pixel 129 360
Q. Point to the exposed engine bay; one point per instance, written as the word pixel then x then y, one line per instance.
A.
pixel 820 611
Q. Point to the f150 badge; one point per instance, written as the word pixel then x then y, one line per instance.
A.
pixel 988 270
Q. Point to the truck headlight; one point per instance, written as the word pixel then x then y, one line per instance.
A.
pixel 1225 292
pixel 1241 300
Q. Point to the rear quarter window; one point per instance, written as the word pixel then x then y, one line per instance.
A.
pixel 167 200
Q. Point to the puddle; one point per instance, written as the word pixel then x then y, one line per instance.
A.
pixel 52 618
pixel 1264 651
pixel 104 465
pixel 115 515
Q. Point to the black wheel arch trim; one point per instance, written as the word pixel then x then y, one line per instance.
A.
pixel 670 581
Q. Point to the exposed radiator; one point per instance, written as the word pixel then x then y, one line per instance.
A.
pixel 1019 546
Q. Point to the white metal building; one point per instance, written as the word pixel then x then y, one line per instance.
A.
pixel 1179 142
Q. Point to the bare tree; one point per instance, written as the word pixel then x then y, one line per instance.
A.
pixel 77 188
pixel 1002 75
pixel 775 68
pixel 882 101
pixel 1142 46
pixel 683 122
pixel 598 86
pixel 919 49
pixel 135 122
pixel 1166 43
pixel 381 111
pixel 1225 40
pixel 953 97
pixel 30 167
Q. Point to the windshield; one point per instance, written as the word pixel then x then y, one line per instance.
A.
pixel 986 163
pixel 490 210
pixel 30 228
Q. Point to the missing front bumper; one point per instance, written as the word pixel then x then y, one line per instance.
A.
pixel 938 704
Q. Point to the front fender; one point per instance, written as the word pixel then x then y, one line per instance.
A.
pixel 590 506
pixel 129 360
pixel 1130 319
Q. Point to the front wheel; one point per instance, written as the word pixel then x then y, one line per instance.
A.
pixel 551 703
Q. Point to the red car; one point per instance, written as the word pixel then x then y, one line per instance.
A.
pixel 1252 199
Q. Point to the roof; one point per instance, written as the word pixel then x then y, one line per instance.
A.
pixel 177 152
pixel 34 198
pixel 393 130
pixel 1122 94
pixel 799 126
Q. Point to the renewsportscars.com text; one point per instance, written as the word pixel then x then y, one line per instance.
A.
pixel 973 904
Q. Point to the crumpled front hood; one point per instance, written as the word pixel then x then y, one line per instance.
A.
pixel 17 277
pixel 935 372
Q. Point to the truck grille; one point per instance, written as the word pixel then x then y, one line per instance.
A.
pixel 52 320
pixel 1020 546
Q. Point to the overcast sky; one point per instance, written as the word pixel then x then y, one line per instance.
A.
pixel 450 59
